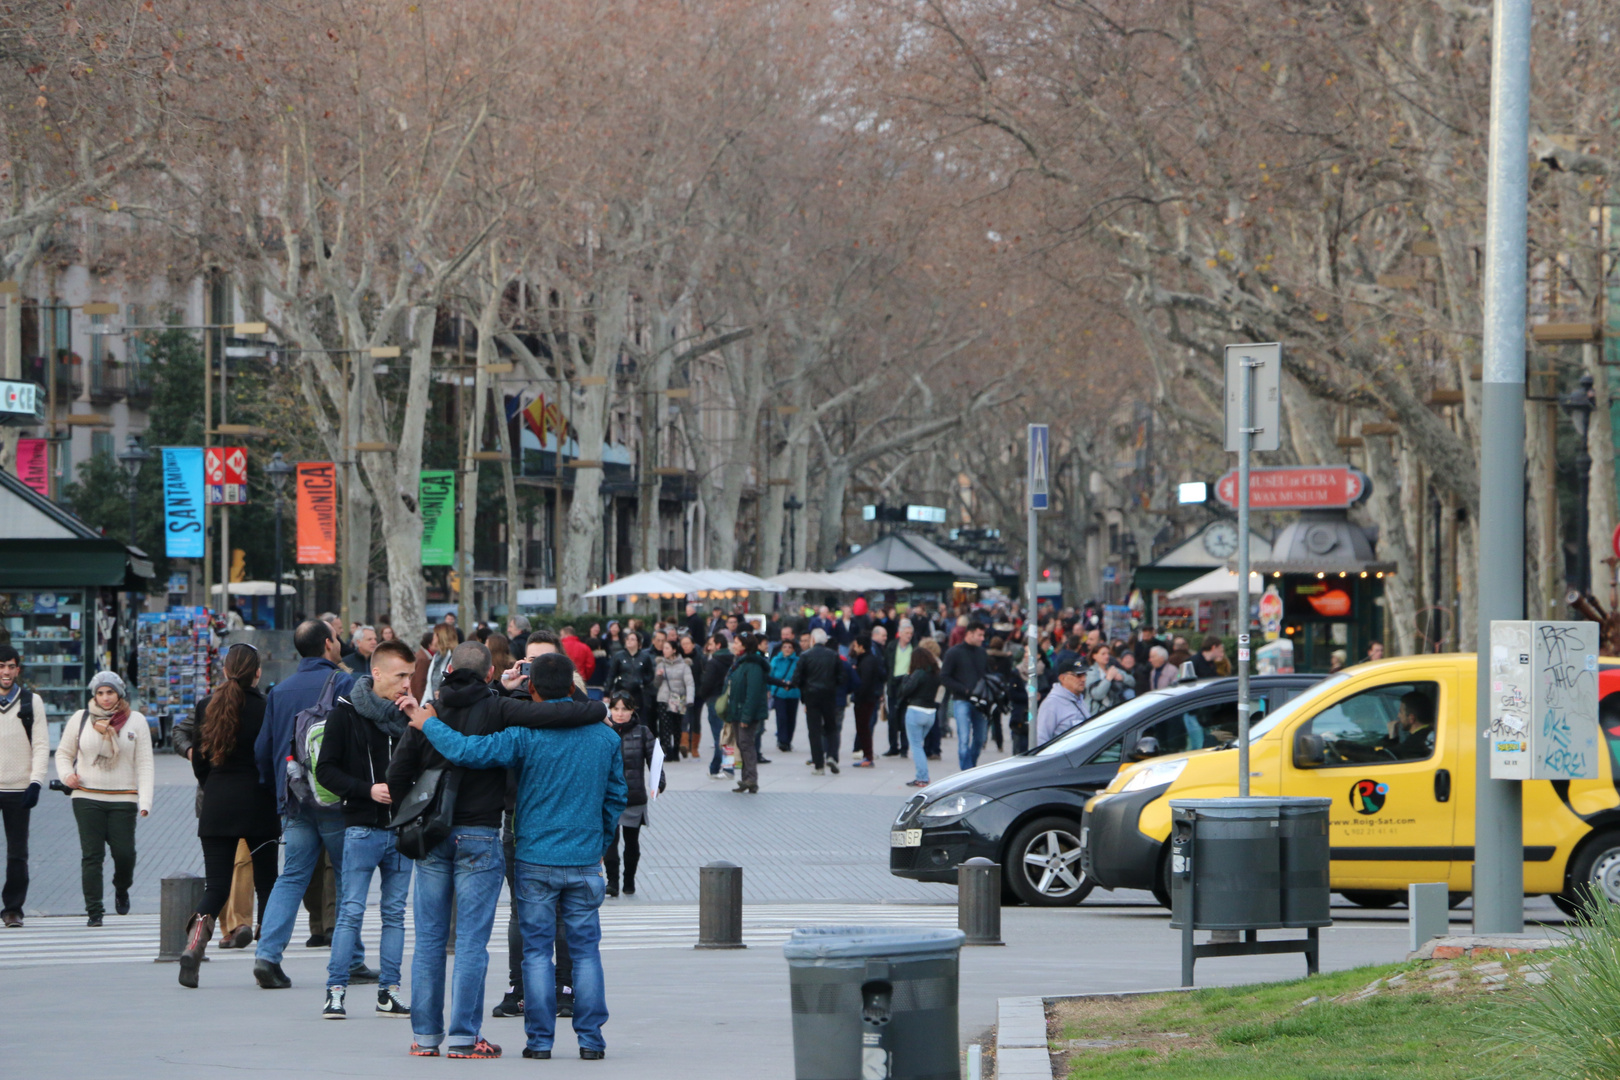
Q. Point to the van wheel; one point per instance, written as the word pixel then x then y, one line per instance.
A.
pixel 1043 864
pixel 1372 898
pixel 1595 872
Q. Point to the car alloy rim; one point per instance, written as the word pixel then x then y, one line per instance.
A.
pixel 1606 875
pixel 1052 863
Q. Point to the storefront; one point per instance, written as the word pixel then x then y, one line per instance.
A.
pixel 61 590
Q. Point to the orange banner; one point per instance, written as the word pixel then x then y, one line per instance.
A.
pixel 317 512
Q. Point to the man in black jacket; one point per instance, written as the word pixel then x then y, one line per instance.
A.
pixel 961 671
pixel 467 867
pixel 631 671
pixel 711 683
pixel 817 678
pixel 869 670
pixel 360 735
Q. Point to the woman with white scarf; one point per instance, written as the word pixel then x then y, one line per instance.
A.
pixel 105 757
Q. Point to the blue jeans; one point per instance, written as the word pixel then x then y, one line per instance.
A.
pixel 971 728
pixel 936 734
pixel 715 724
pixel 304 832
pixel 467 869
pixel 918 722
pixel 580 889
pixel 787 718
pixel 365 850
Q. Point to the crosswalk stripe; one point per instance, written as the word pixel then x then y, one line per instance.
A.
pixel 133 938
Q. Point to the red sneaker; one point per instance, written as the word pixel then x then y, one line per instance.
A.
pixel 483 1048
pixel 424 1051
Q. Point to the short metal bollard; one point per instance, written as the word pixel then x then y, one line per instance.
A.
pixel 1429 913
pixel 181 893
pixel 978 901
pixel 720 906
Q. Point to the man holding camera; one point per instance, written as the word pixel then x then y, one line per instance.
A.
pixel 24 751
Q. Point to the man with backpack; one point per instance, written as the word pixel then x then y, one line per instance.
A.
pixel 24 750
pixel 282 751
pixel 361 732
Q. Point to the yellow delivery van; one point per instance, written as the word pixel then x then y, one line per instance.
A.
pixel 1392 744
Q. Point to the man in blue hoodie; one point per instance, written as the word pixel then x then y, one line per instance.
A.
pixel 571 791
pixel 305 828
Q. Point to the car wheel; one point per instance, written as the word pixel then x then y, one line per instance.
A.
pixel 1043 864
pixel 1596 871
pixel 1161 881
pixel 1372 898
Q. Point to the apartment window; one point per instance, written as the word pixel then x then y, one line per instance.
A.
pixel 101 442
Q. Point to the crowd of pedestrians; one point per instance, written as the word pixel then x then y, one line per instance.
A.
pixel 441 770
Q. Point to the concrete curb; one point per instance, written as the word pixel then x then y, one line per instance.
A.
pixel 1022 1050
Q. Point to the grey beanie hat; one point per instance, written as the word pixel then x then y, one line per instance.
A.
pixel 108 678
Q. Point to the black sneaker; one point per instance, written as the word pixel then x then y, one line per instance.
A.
pixel 334 1004
pixel 591 1055
pixel 388 1003
pixel 565 1001
pixel 94 920
pixel 537 1055
pixel 762 761
pixel 362 974
pixel 832 763
pixel 121 901
pixel 511 1005
pixel 270 976
pixel 483 1048
pixel 315 941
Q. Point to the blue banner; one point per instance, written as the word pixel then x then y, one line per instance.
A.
pixel 183 502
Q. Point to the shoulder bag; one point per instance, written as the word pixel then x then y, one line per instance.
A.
pixel 425 815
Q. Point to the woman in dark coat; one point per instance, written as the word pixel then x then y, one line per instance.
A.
pixel 711 684
pixel 636 742
pixel 235 805
pixel 745 704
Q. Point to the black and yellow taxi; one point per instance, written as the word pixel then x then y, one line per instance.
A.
pixel 1392 744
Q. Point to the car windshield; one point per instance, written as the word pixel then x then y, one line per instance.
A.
pixel 1304 701
pixel 1105 721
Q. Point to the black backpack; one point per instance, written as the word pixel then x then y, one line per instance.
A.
pixel 25 710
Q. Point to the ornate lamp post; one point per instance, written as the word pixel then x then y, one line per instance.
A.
pixel 132 457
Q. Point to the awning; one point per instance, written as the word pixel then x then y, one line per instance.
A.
pixel 29 564
pixel 257 588
pixel 1220 584
pixel 680 583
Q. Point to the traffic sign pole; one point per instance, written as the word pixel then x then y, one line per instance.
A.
pixel 1252 372
pixel 1498 804
pixel 1039 465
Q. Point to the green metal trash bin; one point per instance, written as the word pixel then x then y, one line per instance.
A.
pixel 874 1002
pixel 1304 848
pixel 1228 853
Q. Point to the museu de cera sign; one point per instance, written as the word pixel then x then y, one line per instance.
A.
pixel 1297 487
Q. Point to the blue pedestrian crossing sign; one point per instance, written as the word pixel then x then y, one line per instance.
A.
pixel 1038 441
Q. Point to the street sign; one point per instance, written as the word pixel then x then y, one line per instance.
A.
pixel 1039 437
pixel 22 404
pixel 1544 700
pixel 225 474
pixel 1265 395
pixel 1296 487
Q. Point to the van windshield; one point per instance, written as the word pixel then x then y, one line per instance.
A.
pixel 1305 701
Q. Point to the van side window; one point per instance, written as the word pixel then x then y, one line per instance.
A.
pixel 1609 721
pixel 1386 723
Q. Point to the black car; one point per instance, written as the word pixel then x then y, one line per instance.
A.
pixel 1024 811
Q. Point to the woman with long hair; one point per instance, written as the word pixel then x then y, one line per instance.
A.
pixel 915 702
pixel 105 758
pixel 235 805
pixel 444 643
pixel 500 654
pixel 636 742
pixel 676 686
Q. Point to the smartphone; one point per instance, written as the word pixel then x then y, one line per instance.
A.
pixel 524 667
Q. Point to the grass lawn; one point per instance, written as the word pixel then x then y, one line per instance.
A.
pixel 1417 1029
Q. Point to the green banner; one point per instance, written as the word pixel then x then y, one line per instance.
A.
pixel 438 497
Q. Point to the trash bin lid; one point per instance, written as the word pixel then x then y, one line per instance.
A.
pixel 859 942
pixel 1253 806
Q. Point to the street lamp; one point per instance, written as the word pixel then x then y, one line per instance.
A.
pixel 279 469
pixel 792 505
pixel 132 457
pixel 1578 404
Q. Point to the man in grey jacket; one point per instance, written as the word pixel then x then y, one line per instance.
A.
pixel 1065 707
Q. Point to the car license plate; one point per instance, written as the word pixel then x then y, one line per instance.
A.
pixel 905 838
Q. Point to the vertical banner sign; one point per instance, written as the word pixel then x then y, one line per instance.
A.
pixel 183 502
pixel 225 470
pixel 317 513
pixel 1038 438
pixel 438 500
pixel 33 465
pixel 214 475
